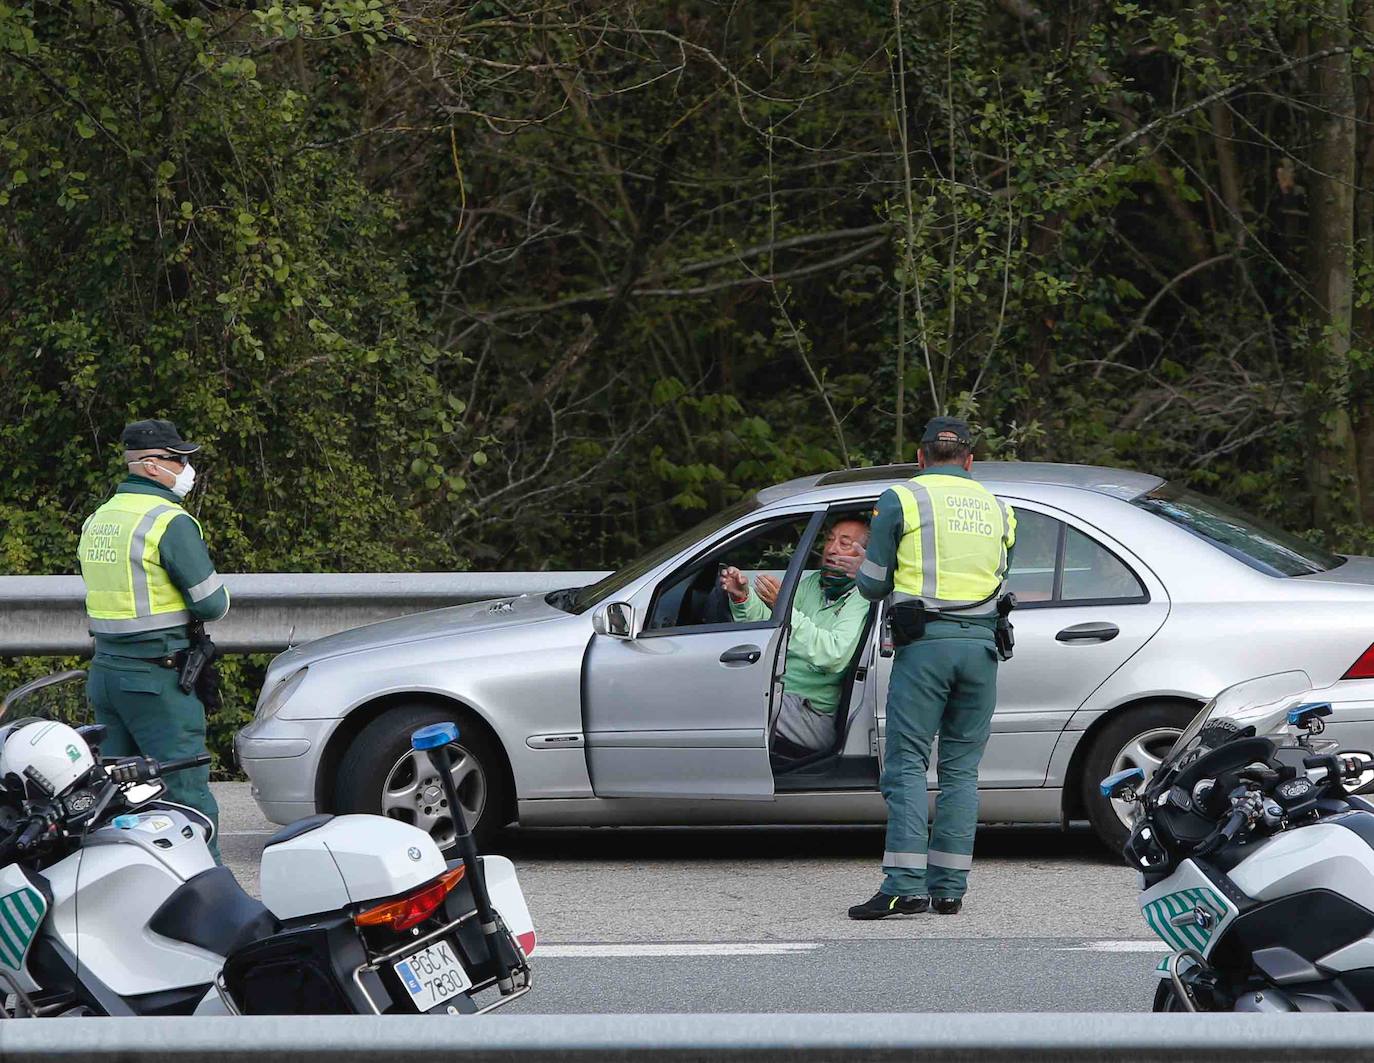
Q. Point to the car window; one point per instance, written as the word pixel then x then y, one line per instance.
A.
pixel 583 599
pixel 1094 573
pixel 692 596
pixel 1054 564
pixel 1270 550
pixel 1031 574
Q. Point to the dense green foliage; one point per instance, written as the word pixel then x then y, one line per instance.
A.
pixel 529 283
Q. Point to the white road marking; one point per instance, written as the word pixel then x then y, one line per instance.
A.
pixel 1134 945
pixel 694 948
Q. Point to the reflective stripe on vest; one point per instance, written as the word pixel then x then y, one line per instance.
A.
pixel 127 589
pixel 953 552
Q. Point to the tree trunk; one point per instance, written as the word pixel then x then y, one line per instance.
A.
pixel 1331 456
pixel 1362 320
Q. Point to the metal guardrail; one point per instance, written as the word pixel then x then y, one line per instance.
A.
pixel 718 1038
pixel 45 615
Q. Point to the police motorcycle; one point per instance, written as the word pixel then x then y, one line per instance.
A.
pixel 110 903
pixel 1255 855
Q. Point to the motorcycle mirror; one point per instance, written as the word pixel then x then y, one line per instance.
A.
pixel 1115 786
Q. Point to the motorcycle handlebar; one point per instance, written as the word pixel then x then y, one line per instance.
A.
pixel 167 767
pixel 1232 827
pixel 37 827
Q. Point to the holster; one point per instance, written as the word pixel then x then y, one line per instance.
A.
pixel 1004 634
pixel 197 669
pixel 908 623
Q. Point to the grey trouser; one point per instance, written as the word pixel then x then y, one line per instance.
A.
pixel 798 722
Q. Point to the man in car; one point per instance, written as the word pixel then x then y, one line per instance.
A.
pixel 828 619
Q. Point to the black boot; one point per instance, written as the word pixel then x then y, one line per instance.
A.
pixel 881 905
pixel 947 905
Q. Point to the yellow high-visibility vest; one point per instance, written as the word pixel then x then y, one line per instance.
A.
pixel 955 539
pixel 127 589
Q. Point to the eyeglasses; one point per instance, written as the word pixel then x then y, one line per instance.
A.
pixel 847 542
pixel 180 459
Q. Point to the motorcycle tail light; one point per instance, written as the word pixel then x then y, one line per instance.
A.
pixel 414 908
pixel 1363 668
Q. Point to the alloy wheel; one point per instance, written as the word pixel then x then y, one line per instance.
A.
pixel 412 793
pixel 1145 751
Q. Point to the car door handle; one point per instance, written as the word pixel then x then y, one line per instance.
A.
pixel 1090 632
pixel 741 655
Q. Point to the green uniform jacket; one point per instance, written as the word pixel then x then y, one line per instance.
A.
pixel 187 561
pixel 824 637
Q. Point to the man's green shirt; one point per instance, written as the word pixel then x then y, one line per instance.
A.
pixel 824 637
pixel 186 558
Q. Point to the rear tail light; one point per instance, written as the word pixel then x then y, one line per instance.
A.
pixel 413 909
pixel 1363 668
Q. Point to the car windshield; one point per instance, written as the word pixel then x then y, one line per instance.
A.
pixel 587 597
pixel 1270 550
pixel 1262 703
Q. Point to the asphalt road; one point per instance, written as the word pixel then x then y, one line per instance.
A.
pixel 745 919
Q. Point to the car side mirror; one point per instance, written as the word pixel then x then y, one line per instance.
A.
pixel 615 619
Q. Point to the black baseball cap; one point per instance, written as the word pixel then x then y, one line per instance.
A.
pixel 156 435
pixel 947 430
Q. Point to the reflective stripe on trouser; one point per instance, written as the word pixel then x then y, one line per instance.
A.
pixel 146 714
pixel 944 686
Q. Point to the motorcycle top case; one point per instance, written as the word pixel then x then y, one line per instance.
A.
pixel 325 864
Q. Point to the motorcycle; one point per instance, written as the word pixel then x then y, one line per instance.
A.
pixel 1255 853
pixel 110 902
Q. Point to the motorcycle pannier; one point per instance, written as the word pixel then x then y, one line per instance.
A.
pixel 296 972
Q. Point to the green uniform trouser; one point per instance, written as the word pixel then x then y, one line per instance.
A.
pixel 146 714
pixel 945 684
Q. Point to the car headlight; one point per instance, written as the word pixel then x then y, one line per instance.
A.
pixel 272 699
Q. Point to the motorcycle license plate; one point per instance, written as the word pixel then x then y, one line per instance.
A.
pixel 433 975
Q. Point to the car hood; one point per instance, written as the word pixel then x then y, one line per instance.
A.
pixel 484 616
pixel 1356 572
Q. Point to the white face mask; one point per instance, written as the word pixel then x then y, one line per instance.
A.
pixel 186 479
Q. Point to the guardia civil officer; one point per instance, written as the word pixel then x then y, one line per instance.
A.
pixel 148 575
pixel 939 546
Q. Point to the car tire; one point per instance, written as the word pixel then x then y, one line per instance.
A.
pixel 376 759
pixel 1145 729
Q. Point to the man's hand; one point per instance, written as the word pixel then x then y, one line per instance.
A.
pixel 733 583
pixel 849 563
pixel 767 588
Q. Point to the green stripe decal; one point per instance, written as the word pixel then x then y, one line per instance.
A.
pixel 19 930
pixel 1160 911
pixel 35 912
pixel 21 912
pixel 10 948
pixel 16 904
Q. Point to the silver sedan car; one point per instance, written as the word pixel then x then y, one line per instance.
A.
pixel 638 700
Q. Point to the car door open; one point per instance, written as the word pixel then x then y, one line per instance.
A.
pixel 677 706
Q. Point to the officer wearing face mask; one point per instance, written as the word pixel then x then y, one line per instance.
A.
pixel 148 575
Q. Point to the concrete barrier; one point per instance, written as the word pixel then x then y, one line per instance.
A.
pixel 45 615
pixel 679 1038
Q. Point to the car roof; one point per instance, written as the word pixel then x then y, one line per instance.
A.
pixel 1118 483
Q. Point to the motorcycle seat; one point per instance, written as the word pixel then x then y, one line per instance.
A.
pixel 212 911
pixel 301 826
